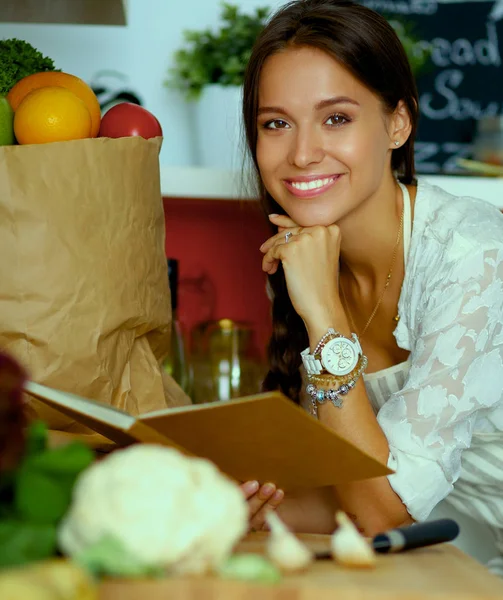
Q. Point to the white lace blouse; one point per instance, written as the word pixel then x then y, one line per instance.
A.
pixel 451 320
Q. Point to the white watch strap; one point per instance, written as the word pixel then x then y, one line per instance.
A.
pixel 312 365
pixel 356 340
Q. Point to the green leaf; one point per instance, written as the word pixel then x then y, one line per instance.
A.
pixel 108 557
pixel 41 498
pixel 22 543
pixel 35 442
pixel 36 438
pixel 44 482
pixel 70 459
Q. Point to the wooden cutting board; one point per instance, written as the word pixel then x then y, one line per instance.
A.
pixel 439 572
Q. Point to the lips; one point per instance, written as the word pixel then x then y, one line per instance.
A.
pixel 310 186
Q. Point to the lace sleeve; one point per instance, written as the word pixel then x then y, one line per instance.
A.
pixel 456 376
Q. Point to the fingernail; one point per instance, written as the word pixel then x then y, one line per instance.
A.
pixel 268 489
pixel 272 215
pixel 278 495
pixel 261 247
pixel 251 486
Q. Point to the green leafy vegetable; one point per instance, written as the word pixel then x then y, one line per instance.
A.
pixel 19 59
pixel 36 495
pixel 67 460
pixel 36 439
pixel 44 484
pixel 38 498
pixel 250 567
pixel 22 542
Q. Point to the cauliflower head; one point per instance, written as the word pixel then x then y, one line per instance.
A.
pixel 166 509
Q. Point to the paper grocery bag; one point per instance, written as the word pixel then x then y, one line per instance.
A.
pixel 84 292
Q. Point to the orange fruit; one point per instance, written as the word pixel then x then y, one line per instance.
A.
pixel 53 78
pixel 51 114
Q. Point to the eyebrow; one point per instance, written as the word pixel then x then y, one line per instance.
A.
pixel 321 105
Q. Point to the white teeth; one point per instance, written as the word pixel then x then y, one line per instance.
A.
pixel 311 185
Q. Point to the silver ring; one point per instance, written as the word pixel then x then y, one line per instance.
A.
pixel 288 235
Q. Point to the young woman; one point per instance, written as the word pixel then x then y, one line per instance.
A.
pixel 387 293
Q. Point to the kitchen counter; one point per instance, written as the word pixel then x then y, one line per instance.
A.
pixel 439 572
pixel 203 183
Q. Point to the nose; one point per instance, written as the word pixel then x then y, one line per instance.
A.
pixel 306 148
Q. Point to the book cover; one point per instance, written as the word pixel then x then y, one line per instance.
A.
pixel 264 437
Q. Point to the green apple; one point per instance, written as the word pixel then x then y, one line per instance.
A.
pixel 6 123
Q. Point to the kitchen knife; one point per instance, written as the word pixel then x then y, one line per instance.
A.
pixel 418 535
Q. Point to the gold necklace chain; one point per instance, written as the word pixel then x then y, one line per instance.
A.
pixel 386 285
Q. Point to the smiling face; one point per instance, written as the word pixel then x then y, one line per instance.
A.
pixel 324 140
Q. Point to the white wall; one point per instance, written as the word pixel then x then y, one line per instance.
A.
pixel 142 50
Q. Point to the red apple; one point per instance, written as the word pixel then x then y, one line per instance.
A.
pixel 127 119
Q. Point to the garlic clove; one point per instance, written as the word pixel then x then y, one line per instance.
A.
pixel 284 549
pixel 349 547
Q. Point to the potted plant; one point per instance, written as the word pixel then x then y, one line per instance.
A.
pixel 209 71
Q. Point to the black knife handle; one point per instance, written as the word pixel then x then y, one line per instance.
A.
pixel 418 535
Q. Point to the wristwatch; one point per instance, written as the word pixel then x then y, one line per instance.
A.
pixel 335 354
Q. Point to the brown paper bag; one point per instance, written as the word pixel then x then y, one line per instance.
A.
pixel 84 293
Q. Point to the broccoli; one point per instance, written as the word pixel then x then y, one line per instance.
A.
pixel 19 59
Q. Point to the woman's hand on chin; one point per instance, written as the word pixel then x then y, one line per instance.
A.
pixel 310 258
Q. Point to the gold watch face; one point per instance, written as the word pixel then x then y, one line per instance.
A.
pixel 339 356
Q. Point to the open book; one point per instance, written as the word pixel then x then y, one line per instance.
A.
pixel 264 437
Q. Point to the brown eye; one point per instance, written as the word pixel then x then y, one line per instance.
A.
pixel 336 120
pixel 276 124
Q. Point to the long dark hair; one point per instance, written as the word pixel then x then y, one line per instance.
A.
pixel 365 44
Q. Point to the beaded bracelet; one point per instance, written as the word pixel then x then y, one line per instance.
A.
pixel 336 381
pixel 319 396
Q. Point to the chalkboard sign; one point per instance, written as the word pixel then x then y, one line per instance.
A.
pixel 463 80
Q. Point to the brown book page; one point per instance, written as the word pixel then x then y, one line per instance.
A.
pixel 268 438
pixel 114 425
pixel 110 431
pixel 113 428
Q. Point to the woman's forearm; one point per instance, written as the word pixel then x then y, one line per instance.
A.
pixel 372 503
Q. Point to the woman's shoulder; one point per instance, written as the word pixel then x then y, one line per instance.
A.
pixel 456 245
pixel 459 224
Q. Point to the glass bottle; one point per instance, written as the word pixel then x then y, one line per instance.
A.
pixel 225 361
